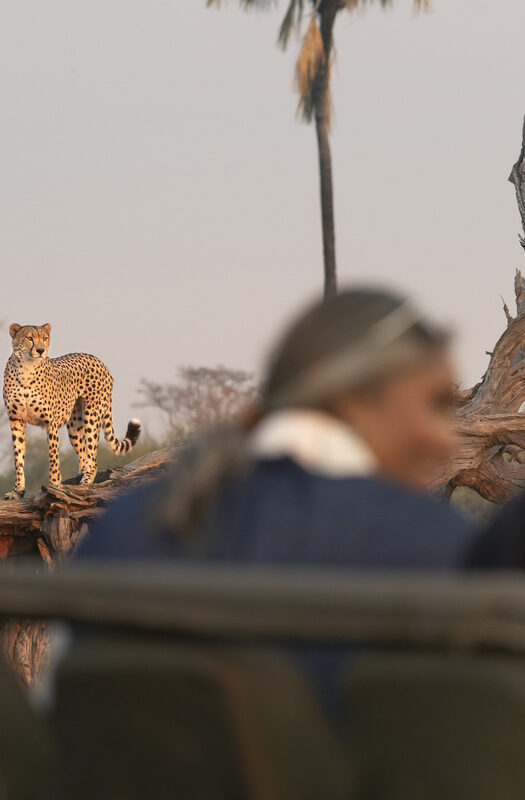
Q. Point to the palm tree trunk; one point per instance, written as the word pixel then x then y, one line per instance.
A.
pixel 327 11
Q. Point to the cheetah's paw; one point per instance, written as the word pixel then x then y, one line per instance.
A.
pixel 15 494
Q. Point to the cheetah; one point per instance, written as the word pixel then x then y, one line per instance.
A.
pixel 72 390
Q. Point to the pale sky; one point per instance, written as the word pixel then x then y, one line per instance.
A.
pixel 159 201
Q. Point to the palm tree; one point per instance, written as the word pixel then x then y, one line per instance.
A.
pixel 312 78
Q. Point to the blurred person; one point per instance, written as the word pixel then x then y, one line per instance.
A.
pixel 353 420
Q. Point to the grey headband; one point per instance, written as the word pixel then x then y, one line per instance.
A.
pixel 381 350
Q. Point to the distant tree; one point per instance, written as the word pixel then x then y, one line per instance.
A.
pixel 201 396
pixel 312 79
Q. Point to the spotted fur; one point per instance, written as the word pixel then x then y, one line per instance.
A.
pixel 72 390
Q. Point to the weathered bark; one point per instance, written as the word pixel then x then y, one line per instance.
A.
pixel 491 431
pixel 47 525
pixel 327 11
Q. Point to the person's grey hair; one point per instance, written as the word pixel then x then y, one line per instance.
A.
pixel 353 341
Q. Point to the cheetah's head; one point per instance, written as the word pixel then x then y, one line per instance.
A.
pixel 30 342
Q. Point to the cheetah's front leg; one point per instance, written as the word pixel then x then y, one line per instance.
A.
pixel 18 434
pixel 54 464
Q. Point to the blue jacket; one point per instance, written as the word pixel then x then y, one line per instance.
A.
pixel 281 514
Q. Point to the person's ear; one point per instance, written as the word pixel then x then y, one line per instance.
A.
pixel 47 328
pixel 13 329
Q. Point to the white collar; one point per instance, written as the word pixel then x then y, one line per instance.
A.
pixel 316 441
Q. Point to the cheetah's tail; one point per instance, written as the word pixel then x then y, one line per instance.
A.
pixel 122 446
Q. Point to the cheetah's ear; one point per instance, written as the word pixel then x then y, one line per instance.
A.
pixel 13 329
pixel 47 328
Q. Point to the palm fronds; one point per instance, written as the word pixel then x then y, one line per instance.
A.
pixel 292 20
pixel 245 4
pixel 312 55
pixel 311 58
pixel 350 5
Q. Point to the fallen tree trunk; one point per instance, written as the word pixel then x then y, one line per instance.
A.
pixel 47 525
pixel 50 521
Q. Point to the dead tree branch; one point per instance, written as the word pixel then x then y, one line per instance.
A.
pixel 490 427
pixel 491 454
pixel 517 178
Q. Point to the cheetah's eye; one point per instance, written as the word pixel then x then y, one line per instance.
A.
pixel 28 339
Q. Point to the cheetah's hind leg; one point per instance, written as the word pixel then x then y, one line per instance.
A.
pixel 75 430
pixel 54 461
pixel 93 424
